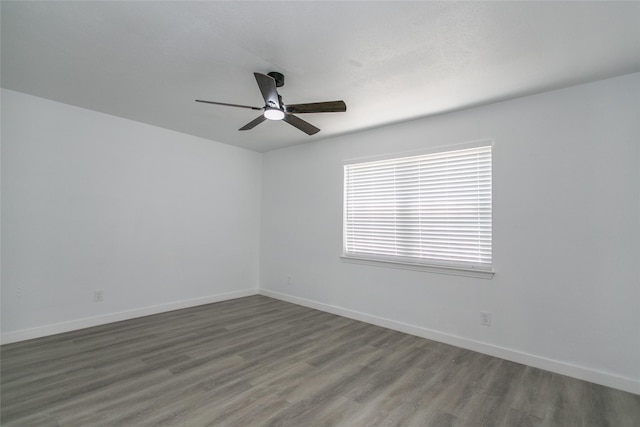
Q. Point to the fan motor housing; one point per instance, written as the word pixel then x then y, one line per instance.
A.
pixel 278 77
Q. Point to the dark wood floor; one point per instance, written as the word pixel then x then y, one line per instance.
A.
pixel 257 361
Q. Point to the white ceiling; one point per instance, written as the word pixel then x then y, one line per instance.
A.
pixel 389 61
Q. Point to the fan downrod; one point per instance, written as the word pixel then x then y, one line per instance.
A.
pixel 278 77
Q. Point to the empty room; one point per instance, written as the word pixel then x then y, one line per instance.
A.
pixel 319 213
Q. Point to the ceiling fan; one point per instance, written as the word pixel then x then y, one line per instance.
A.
pixel 275 109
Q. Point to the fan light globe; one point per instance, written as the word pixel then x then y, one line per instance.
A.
pixel 273 114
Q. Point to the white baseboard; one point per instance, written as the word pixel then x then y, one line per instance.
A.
pixel 603 378
pixel 58 328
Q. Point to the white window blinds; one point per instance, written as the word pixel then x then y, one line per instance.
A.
pixel 432 209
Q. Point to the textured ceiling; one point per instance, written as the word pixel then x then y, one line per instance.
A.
pixel 389 61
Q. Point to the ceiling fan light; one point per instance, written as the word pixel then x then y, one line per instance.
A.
pixel 273 114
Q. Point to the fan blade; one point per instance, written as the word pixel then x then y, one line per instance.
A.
pixel 317 107
pixel 255 122
pixel 267 87
pixel 229 105
pixel 305 127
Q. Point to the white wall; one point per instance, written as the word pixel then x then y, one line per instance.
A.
pixel 156 219
pixel 566 293
pixel 161 220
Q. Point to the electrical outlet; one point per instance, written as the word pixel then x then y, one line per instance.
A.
pixel 98 296
pixel 19 291
pixel 485 318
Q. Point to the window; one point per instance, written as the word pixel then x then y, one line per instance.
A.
pixel 431 210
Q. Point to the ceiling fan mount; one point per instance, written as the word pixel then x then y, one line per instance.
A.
pixel 278 77
pixel 275 109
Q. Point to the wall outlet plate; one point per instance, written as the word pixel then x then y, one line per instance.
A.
pixel 485 318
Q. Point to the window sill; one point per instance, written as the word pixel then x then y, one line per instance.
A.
pixel 456 271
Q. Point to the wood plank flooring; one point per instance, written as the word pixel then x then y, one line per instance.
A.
pixel 257 361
